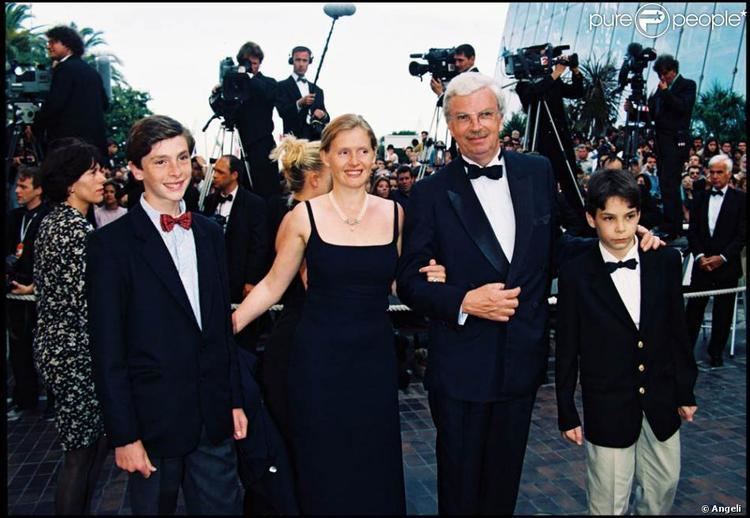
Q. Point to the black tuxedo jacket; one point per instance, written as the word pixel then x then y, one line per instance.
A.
pixel 255 116
pixel 729 234
pixel 597 336
pixel 295 120
pixel 160 378
pixel 672 109
pixel 246 239
pixel 75 105
pixel 481 360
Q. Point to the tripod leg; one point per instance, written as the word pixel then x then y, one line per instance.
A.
pixel 215 155
pixel 574 184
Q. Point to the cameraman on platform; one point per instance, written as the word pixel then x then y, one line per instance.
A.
pixel 255 123
pixel 463 57
pixel 671 107
pixel 551 88
pixel 77 101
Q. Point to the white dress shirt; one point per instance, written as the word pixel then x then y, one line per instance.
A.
pixel 497 204
pixel 304 87
pixel 714 207
pixel 180 243
pixel 224 208
pixel 627 281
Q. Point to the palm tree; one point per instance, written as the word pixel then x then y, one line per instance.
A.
pixel 598 108
pixel 93 39
pixel 720 112
pixel 21 44
pixel 517 121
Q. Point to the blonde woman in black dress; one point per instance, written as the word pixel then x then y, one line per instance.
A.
pixel 72 181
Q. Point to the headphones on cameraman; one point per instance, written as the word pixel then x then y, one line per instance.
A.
pixel 300 48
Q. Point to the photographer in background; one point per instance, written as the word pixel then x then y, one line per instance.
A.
pixel 552 89
pixel 77 101
pixel 671 108
pixel 255 123
pixel 463 57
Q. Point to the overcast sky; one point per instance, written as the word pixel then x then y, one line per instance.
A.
pixel 173 51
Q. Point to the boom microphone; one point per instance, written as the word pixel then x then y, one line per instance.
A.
pixel 336 11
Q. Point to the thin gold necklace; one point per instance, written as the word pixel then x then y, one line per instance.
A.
pixel 352 222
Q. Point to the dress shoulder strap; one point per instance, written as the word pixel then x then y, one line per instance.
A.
pixel 312 219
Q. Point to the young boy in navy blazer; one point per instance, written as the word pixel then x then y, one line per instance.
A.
pixel 622 325
pixel 165 362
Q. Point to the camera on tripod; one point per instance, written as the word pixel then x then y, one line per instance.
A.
pixel 441 63
pixel 530 63
pixel 233 89
pixel 631 72
pixel 26 89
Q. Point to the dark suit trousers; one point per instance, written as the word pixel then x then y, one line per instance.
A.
pixel 208 476
pixel 264 172
pixel 721 316
pixel 480 449
pixel 669 169
pixel 21 321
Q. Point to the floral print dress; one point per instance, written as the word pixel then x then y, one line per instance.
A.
pixel 62 351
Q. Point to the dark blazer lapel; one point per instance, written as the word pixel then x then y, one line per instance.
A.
pixel 523 208
pixel 157 256
pixel 206 268
pixel 604 288
pixel 234 214
pixel 466 204
pixel 650 287
pixel 726 208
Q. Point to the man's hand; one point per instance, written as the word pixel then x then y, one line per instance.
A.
pixel 435 272
pixel 437 86
pixel 575 435
pixel 491 301
pixel 22 289
pixel 710 263
pixel 319 114
pixel 558 70
pixel 246 289
pixel 307 100
pixel 240 423
pixel 648 240
pixel 687 412
pixel 133 457
pixel 663 85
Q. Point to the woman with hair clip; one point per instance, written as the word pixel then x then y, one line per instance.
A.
pixel 306 177
pixel 342 392
pixel 72 181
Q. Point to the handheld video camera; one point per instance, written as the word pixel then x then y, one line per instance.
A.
pixel 529 63
pixel 441 64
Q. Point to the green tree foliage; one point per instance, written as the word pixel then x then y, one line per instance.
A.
pixel 720 113
pixel 127 106
pixel 598 109
pixel 22 45
pixel 517 121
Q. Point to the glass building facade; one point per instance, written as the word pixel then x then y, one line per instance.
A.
pixel 707 38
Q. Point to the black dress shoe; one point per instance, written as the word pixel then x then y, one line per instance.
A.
pixel 717 362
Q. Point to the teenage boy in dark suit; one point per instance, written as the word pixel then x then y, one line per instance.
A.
pixel 622 324
pixel 165 362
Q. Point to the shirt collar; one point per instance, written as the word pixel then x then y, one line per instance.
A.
pixel 498 160
pixel 609 258
pixel 296 77
pixel 153 214
pixel 233 194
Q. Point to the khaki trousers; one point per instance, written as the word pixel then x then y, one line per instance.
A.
pixel 655 464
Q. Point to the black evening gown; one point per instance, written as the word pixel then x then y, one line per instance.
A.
pixel 343 393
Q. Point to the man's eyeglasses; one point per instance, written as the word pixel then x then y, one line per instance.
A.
pixel 484 117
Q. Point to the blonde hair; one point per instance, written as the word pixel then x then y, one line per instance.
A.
pixel 297 156
pixel 348 121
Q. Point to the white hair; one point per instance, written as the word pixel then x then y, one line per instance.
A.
pixel 468 83
pixel 721 158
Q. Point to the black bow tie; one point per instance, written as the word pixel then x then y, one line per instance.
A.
pixel 494 172
pixel 301 79
pixel 612 267
pixel 223 198
pixel 716 193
